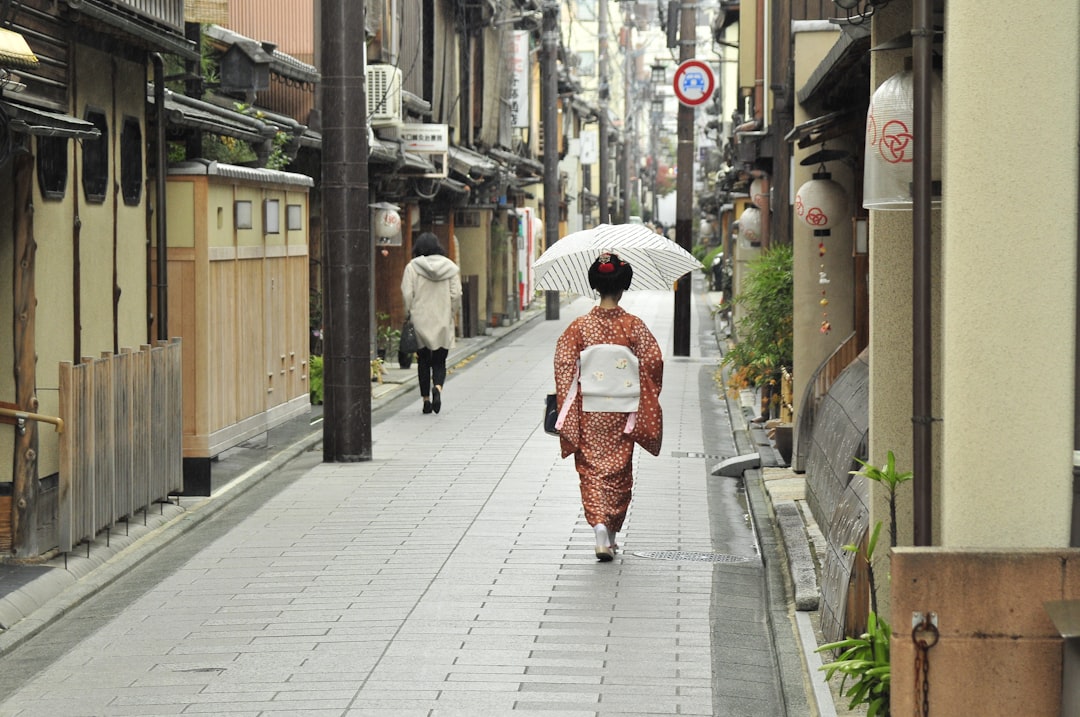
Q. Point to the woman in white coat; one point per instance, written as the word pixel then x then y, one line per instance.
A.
pixel 431 287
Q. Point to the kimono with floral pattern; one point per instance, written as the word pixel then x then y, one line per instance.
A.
pixel 602 452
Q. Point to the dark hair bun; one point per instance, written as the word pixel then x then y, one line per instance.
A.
pixel 609 274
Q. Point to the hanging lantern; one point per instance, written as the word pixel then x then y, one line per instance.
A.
pixel 759 194
pixel 750 226
pixel 386 224
pixel 822 203
pixel 890 144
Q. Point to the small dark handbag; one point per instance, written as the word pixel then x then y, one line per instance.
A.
pixel 408 342
pixel 551 414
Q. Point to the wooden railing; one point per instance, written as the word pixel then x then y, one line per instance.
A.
pixel 121 447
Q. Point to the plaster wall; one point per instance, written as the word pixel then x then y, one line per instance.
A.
pixel 108 230
pixel 890 286
pixel 1009 274
pixel 55 316
pixel 473 243
pixel 811 344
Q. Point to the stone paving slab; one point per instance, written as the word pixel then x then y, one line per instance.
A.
pixel 454 574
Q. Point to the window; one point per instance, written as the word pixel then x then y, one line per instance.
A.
pixel 52 166
pixel 587 64
pixel 95 165
pixel 131 161
pixel 586 10
pixel 271 216
pixel 294 217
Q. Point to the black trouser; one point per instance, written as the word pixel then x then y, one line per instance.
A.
pixel 430 368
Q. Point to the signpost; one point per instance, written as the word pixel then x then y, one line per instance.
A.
pixel 694 83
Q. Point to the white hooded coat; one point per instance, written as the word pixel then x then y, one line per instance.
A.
pixel 431 288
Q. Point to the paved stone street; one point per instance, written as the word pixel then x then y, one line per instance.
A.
pixel 452 574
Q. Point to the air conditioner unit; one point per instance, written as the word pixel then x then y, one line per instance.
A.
pixel 383 94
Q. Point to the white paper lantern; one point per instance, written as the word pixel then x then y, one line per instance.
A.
pixel 759 195
pixel 386 225
pixel 822 203
pixel 890 143
pixel 750 226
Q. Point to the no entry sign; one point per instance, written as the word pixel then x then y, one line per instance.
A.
pixel 694 82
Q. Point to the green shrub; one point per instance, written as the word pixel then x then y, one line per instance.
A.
pixel 765 339
pixel 315 380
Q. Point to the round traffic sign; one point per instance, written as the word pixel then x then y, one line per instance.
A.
pixel 694 82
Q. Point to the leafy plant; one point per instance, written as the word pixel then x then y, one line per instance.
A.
pixel 315 379
pixel 891 479
pixel 378 369
pixel 765 338
pixel 386 336
pixel 865 659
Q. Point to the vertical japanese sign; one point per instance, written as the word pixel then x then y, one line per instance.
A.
pixel 518 59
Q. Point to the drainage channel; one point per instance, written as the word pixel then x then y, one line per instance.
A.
pixel 691 556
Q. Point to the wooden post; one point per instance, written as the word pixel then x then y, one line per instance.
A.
pixel 24 475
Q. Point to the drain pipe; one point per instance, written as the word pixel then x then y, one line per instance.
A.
pixel 1074 532
pixel 922 420
pixel 160 172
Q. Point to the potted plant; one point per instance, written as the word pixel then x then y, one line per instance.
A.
pixel 764 344
pixel 386 336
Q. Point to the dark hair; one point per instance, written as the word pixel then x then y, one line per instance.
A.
pixel 610 275
pixel 427 244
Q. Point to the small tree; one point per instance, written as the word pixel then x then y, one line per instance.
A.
pixel 765 343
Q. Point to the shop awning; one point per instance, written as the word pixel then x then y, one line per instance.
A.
pixel 183 111
pixel 472 164
pixel 33 121
pixel 15 52
pixel 823 128
pixel 837 69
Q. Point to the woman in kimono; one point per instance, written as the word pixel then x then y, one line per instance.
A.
pixel 602 442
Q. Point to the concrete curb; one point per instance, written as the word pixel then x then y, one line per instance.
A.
pixel 800 562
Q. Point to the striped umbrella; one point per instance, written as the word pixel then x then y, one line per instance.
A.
pixel 657 261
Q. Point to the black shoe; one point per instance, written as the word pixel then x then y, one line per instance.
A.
pixel 427 407
pixel 436 400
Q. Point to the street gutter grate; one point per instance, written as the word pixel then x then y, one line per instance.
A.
pixel 691 556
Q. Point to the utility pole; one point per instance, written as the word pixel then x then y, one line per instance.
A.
pixel 549 98
pixel 684 186
pixel 605 94
pixel 346 238
pixel 629 123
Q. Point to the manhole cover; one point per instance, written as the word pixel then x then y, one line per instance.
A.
pixel 692 556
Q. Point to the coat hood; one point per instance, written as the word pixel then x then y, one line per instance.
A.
pixel 435 267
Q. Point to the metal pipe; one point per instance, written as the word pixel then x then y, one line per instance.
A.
pixel 921 346
pixel 1074 532
pixel 22 416
pixel 160 177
